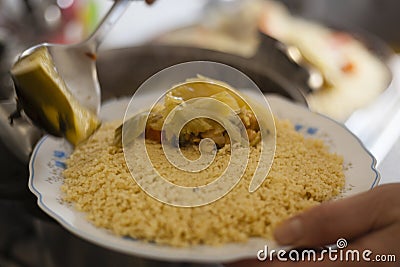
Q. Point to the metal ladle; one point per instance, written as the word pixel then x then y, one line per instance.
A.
pixel 76 64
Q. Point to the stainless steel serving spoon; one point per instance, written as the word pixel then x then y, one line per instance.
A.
pixel 76 63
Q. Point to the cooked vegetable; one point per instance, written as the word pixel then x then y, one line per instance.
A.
pixel 47 101
pixel 199 128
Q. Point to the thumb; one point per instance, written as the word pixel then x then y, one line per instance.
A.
pixel 347 218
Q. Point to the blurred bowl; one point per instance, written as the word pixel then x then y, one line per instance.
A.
pixel 354 64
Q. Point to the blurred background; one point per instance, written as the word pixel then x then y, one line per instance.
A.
pixel 338 58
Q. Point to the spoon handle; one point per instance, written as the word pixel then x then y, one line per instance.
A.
pixel 116 11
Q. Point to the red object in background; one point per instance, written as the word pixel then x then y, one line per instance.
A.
pixel 71 20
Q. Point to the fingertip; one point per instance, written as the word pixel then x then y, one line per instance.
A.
pixel 289 232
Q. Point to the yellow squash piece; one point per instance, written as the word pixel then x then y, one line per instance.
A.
pixel 47 101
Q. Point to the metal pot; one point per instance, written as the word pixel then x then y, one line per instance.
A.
pixel 122 71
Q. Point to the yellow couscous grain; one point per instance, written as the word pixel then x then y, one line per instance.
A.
pixel 97 180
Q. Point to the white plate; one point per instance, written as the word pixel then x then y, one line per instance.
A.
pixel 47 164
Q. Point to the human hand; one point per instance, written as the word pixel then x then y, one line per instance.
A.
pixel 369 221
